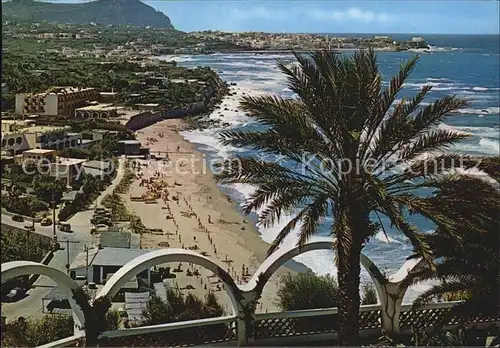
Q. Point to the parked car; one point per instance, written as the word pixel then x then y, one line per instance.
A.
pixel 46 222
pixel 15 294
pixel 65 227
pixel 98 229
pixel 17 218
pixel 101 227
pixel 101 221
pixel 62 304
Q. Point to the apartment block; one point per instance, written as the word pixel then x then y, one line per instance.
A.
pixel 59 101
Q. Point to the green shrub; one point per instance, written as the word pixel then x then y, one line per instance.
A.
pixel 23 205
pixel 307 291
pixel 18 244
pixel 119 211
pixel 178 308
pixel 127 180
pixel 35 332
pixel 369 294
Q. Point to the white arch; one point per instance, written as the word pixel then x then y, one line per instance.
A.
pixel 14 269
pixel 153 258
pixel 281 256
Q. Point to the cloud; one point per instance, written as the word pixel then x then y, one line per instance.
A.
pixel 352 14
pixel 259 12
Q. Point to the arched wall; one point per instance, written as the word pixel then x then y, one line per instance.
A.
pixel 407 269
pixel 156 257
pixel 280 257
pixel 14 269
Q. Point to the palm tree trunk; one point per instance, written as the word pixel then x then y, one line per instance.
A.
pixel 349 301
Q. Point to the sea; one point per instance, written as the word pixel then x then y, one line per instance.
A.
pixel 464 65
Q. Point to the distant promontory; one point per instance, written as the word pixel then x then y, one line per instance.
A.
pixel 105 12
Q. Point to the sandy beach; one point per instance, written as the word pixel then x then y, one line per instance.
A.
pixel 193 213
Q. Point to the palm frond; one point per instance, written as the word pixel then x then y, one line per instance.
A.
pixel 316 211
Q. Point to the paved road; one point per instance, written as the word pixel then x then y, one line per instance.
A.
pixel 31 306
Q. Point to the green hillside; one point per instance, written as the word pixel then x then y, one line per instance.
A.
pixel 116 12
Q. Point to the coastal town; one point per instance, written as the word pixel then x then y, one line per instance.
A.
pixel 286 42
pixel 88 40
pixel 116 230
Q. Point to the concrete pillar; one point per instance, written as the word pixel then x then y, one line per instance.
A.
pixel 101 276
pixel 392 295
pixel 245 317
pixel 241 338
pixel 391 306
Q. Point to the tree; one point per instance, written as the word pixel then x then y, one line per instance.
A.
pixel 344 142
pixel 468 269
pixel 48 189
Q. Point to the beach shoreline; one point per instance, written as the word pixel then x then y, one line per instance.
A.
pixel 191 211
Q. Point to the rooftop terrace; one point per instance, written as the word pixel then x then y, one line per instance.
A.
pixel 98 107
pixel 35 129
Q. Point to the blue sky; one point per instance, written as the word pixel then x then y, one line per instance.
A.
pixel 390 16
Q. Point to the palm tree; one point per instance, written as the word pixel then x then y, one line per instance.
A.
pixel 471 268
pixel 342 117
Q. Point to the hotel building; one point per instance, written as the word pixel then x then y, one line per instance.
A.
pixel 59 101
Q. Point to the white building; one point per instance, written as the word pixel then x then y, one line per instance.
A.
pixel 19 136
pixel 102 262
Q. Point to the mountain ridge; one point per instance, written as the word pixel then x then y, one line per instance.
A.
pixel 105 12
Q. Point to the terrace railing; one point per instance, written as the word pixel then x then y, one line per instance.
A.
pixel 281 328
pixel 244 326
pixel 186 333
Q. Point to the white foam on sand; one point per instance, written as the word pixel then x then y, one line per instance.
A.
pixel 483 146
pixel 438 85
pixel 492 110
pixel 237 64
pixel 208 141
pixel 437 79
pixel 380 236
pixel 458 130
pixel 208 137
pixel 248 56
pixel 479 89
pixel 484 132
pixel 178 58
pixel 489 144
